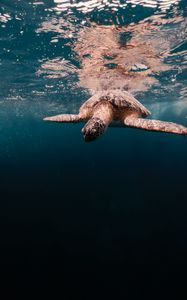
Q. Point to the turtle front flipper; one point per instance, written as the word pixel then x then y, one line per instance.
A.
pixel 155 125
pixel 65 118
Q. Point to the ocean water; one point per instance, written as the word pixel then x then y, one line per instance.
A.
pixel 101 220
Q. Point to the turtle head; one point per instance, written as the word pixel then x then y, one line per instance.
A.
pixel 93 129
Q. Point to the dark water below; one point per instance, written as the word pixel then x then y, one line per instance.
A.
pixel 105 220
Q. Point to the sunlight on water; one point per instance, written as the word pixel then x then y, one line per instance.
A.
pixel 55 69
pixel 88 6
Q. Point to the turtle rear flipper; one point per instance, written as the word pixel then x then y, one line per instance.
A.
pixel 155 125
pixel 65 118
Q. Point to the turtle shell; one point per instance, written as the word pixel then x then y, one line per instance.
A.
pixel 119 99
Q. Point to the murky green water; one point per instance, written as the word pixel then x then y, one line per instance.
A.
pixel 86 221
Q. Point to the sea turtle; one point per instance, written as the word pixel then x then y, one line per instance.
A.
pixel 106 107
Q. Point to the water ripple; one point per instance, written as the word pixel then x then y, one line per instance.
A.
pixel 40 55
pixel 90 5
pixel 4 18
pixel 57 68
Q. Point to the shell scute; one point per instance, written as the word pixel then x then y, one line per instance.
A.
pixel 118 99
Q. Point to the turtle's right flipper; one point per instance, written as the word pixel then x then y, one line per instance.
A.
pixel 155 125
pixel 64 118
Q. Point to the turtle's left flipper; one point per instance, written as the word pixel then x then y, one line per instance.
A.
pixel 65 118
pixel 155 125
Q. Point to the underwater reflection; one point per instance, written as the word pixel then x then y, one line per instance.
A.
pixel 147 56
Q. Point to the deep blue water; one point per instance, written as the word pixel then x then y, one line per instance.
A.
pixel 86 221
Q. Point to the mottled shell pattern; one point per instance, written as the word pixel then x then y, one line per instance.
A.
pixel 119 100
